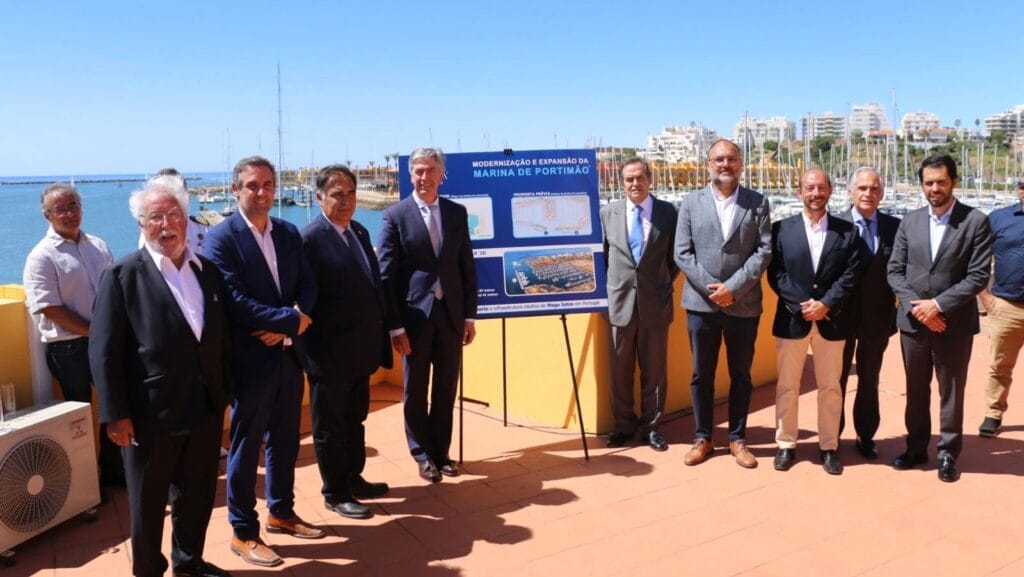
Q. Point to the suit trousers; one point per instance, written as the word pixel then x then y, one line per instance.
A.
pixel 181 467
pixel 868 352
pixel 707 331
pixel 649 345
pixel 923 352
pixel 828 362
pixel 265 410
pixel 438 346
pixel 1006 336
pixel 68 362
pixel 339 407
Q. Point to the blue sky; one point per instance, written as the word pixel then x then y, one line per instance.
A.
pixel 110 87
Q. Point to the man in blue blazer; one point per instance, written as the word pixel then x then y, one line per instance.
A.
pixel 272 287
pixel 160 355
pixel 817 260
pixel 940 262
pixel 426 265
pixel 347 344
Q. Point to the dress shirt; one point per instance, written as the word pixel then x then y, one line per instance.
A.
pixel 1008 249
pixel 61 272
pixel 184 286
pixel 427 211
pixel 815 236
pixel 646 207
pixel 266 244
pixel 358 249
pixel 937 227
pixel 726 208
pixel 871 223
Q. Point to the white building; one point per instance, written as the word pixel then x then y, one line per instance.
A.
pixel 868 118
pixel 828 124
pixel 1011 121
pixel 915 123
pixel 679 143
pixel 755 131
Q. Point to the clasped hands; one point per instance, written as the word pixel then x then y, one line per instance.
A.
pixel 721 295
pixel 927 312
pixel 272 339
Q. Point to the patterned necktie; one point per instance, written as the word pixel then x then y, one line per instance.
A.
pixel 865 233
pixel 636 236
pixel 357 251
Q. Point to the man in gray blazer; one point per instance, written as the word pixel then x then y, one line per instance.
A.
pixel 723 246
pixel 638 234
pixel 940 262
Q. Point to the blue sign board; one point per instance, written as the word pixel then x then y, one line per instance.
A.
pixel 535 226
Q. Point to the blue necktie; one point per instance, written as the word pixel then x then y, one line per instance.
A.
pixel 636 236
pixel 357 251
pixel 865 233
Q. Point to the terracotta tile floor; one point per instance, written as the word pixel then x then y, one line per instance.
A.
pixel 528 504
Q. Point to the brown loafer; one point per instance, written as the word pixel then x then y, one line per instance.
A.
pixel 744 458
pixel 254 551
pixel 293 526
pixel 701 450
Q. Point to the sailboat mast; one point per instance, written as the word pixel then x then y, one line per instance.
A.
pixel 280 140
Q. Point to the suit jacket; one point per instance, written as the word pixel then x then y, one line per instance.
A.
pixel 348 337
pixel 645 286
pixel 792 277
pixel 873 303
pixel 145 359
pixel 958 274
pixel 256 303
pixel 737 259
pixel 409 267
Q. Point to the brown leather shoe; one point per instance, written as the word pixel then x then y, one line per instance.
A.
pixel 744 458
pixel 254 551
pixel 293 526
pixel 701 450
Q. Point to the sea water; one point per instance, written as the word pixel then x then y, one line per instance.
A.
pixel 105 214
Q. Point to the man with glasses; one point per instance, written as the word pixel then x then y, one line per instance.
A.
pixel 723 246
pixel 1004 303
pixel 60 280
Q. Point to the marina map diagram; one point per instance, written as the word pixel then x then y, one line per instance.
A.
pixel 480 217
pixel 547 216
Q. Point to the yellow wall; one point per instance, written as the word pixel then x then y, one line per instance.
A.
pixel 539 382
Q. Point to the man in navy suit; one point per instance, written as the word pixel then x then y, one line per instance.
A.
pixel 347 344
pixel 940 262
pixel 816 263
pixel 426 265
pixel 873 305
pixel 272 287
pixel 160 356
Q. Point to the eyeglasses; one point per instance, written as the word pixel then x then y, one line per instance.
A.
pixel 171 216
pixel 725 159
pixel 64 209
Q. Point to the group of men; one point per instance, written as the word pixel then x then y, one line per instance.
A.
pixel 845 283
pixel 172 335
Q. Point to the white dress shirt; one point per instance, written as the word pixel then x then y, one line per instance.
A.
pixel 815 236
pixel 184 286
pixel 726 209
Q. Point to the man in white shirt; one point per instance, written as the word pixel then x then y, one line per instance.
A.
pixel 60 280
pixel 817 260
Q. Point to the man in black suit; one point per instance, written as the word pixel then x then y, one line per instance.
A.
pixel 940 262
pixel 426 265
pixel 159 354
pixel 816 263
pixel 872 305
pixel 346 345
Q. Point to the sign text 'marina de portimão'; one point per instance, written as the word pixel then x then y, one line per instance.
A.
pixel 533 220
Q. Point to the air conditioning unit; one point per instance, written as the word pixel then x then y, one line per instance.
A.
pixel 47 469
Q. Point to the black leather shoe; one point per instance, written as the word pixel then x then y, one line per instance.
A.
pixel 909 460
pixel 200 569
pixel 867 449
pixel 830 462
pixel 656 441
pixel 429 472
pixel 360 487
pixel 449 469
pixel 349 508
pixel 616 440
pixel 947 469
pixel 990 427
pixel 784 459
